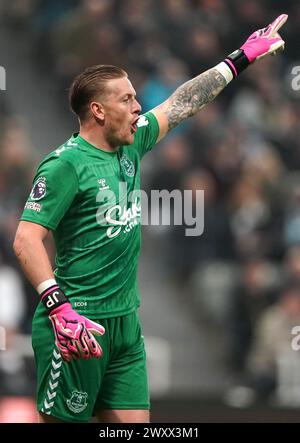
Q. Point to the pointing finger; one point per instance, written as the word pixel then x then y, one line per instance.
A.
pixel 276 25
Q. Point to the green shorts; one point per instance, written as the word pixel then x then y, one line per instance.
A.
pixel 73 391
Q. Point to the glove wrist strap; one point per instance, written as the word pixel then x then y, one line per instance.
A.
pixel 53 297
pixel 237 61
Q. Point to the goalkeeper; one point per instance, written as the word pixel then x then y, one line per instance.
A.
pixel 86 333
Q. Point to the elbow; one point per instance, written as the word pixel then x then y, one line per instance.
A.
pixel 18 244
pixel 22 241
pixel 28 237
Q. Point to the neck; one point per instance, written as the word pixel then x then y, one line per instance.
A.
pixel 94 135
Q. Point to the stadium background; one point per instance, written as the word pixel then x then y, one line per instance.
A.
pixel 217 310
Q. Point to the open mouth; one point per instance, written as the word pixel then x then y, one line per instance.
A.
pixel 134 126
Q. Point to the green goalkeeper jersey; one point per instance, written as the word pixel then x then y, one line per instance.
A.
pixel 90 199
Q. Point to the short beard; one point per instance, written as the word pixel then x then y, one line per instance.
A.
pixel 113 140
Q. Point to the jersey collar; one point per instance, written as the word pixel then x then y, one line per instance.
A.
pixel 88 146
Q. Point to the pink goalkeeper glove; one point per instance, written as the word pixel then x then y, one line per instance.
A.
pixel 265 41
pixel 73 332
pixel 261 43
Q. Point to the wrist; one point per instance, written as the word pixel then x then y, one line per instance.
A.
pixel 225 71
pixel 237 61
pixel 53 297
pixel 45 285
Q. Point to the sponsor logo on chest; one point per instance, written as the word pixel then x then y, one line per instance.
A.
pixel 119 213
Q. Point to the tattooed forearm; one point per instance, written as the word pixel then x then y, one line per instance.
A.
pixel 193 95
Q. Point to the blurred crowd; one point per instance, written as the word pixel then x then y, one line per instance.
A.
pixel 243 151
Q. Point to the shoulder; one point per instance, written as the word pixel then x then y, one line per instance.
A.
pixel 68 154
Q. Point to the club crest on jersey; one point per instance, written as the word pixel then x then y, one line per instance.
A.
pixel 39 189
pixel 77 402
pixel 127 165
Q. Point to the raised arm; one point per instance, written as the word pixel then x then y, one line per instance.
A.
pixel 193 95
pixel 188 99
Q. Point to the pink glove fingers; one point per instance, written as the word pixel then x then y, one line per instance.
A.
pixel 93 345
pixel 74 334
pixel 264 41
pixel 275 25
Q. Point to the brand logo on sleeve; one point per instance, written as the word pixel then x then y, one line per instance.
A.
pixel 142 121
pixel 39 189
